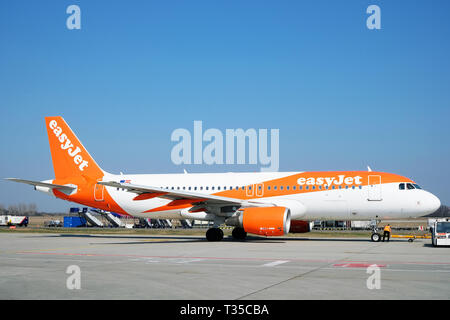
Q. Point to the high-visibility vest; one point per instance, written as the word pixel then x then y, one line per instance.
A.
pixel 387 228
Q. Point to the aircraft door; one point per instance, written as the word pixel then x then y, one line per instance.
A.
pixel 374 188
pixel 99 190
pixel 259 189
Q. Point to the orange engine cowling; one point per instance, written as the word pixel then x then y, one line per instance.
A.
pixel 267 221
pixel 298 226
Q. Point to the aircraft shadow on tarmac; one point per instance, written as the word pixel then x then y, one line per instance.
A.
pixel 194 239
pixel 165 239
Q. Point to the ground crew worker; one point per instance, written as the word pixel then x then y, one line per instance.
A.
pixel 387 232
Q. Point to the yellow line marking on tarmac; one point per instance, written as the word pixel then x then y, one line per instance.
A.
pixel 160 240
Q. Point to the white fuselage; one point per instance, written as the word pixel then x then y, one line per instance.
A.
pixel 364 202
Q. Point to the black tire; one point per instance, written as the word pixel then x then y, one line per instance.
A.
pixel 239 233
pixel 214 234
pixel 376 237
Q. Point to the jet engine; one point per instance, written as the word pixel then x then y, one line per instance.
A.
pixel 267 221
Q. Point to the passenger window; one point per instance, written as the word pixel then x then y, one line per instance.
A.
pixel 281 187
pixel 401 186
pixel 268 187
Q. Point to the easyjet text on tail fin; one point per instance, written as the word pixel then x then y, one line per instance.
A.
pixel 70 158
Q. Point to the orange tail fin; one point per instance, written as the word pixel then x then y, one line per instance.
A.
pixel 70 158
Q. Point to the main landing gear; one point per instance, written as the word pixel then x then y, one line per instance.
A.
pixel 216 234
pixel 239 233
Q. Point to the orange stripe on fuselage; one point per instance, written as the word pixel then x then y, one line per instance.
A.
pixel 292 181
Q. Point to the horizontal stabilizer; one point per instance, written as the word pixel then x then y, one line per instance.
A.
pixel 62 188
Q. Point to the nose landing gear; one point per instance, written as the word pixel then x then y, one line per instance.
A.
pixel 375 237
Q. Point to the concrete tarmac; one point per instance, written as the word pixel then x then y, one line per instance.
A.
pixel 35 266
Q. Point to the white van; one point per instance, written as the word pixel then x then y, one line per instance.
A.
pixel 440 232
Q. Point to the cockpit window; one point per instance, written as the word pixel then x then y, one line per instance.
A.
pixel 409 186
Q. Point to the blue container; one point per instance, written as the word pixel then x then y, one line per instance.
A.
pixel 73 222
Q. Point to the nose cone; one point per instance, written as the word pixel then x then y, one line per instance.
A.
pixel 433 203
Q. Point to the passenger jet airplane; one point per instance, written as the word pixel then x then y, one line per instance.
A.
pixel 262 203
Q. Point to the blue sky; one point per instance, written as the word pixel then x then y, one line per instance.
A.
pixel 342 96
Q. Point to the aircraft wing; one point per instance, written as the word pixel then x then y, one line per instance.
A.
pixel 148 192
pixel 59 187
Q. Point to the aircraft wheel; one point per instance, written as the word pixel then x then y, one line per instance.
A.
pixel 214 234
pixel 239 233
pixel 376 237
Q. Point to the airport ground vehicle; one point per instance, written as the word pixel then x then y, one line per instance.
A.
pixel 9 220
pixel 53 223
pixel 262 203
pixel 440 232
